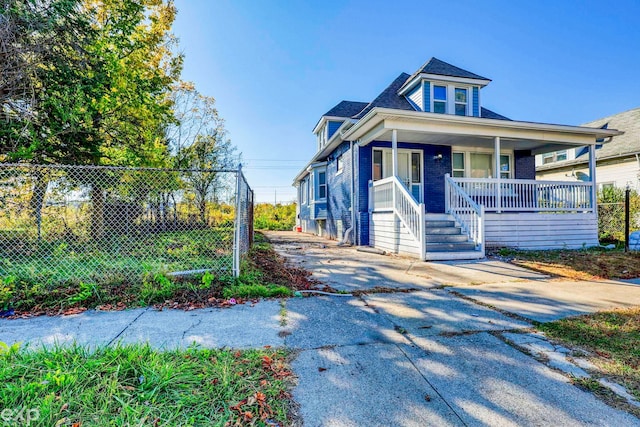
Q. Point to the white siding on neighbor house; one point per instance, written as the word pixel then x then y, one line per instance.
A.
pixel 541 230
pixel 620 174
pixel 416 97
pixel 389 234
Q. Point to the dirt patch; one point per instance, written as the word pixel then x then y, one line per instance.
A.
pixel 588 264
pixel 274 269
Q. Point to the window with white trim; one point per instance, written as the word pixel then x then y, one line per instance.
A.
pixel 457 165
pixel 322 185
pixel 339 164
pixel 505 166
pixel 478 164
pixel 303 192
pixel 440 99
pixel 461 101
pixel 556 156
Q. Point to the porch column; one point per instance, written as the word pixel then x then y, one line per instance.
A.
pixel 394 161
pixel 496 143
pixel 394 151
pixel 592 177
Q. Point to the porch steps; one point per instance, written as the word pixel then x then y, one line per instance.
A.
pixel 445 240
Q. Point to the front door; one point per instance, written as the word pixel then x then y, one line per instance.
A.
pixel 409 169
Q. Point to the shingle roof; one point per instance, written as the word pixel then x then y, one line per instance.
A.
pixel 436 66
pixel 389 98
pixel 346 109
pixel 628 143
pixel 485 113
pixel 441 68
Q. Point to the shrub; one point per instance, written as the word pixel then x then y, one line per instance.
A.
pixel 279 217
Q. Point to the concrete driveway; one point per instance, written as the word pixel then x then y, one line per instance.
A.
pixel 433 356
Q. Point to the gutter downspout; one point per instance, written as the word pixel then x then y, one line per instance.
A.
pixel 353 211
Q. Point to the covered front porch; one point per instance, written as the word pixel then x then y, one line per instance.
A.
pixel 470 183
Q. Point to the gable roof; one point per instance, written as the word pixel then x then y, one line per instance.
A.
pixel 620 145
pixel 441 68
pixel 389 98
pixel 346 109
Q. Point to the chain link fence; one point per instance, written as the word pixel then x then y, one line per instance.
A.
pixel 611 222
pixel 109 225
pixel 611 218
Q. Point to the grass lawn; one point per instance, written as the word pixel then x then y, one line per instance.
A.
pixel 586 264
pixel 613 337
pixel 136 385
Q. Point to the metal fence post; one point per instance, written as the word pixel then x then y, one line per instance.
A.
pixel 626 218
pixel 236 234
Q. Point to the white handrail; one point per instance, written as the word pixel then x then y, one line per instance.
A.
pixel 468 213
pixel 528 195
pixel 390 194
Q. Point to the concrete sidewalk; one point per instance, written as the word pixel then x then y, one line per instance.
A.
pixel 425 357
pixel 242 326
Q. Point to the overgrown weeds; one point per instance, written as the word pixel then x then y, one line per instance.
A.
pixel 264 275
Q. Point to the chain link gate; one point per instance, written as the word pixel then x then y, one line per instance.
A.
pixel 112 226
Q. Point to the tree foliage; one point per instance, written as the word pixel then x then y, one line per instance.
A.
pixel 98 74
pixel 97 82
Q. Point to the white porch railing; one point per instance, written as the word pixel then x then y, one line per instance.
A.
pixel 527 195
pixel 469 214
pixel 390 194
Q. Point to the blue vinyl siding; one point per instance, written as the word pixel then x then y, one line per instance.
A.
pixel 476 102
pixel 320 211
pixel 426 95
pixel 338 192
pixel 304 207
pixel 332 128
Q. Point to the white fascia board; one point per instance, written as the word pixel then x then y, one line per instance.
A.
pixel 304 172
pixel 440 78
pixel 331 144
pixel 418 120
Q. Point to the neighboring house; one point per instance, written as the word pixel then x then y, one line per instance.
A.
pixel 426 170
pixel 617 161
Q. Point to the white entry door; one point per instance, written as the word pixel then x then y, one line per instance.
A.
pixel 409 169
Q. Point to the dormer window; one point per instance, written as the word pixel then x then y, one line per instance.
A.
pixel 461 102
pixel 440 99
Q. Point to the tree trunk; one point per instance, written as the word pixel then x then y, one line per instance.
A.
pixel 97 215
pixel 203 210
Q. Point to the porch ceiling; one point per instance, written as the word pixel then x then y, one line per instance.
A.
pixel 475 141
pixel 442 129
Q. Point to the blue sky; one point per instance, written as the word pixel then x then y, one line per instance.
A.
pixel 275 67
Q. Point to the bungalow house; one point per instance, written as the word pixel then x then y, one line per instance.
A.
pixel 426 170
pixel 617 161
